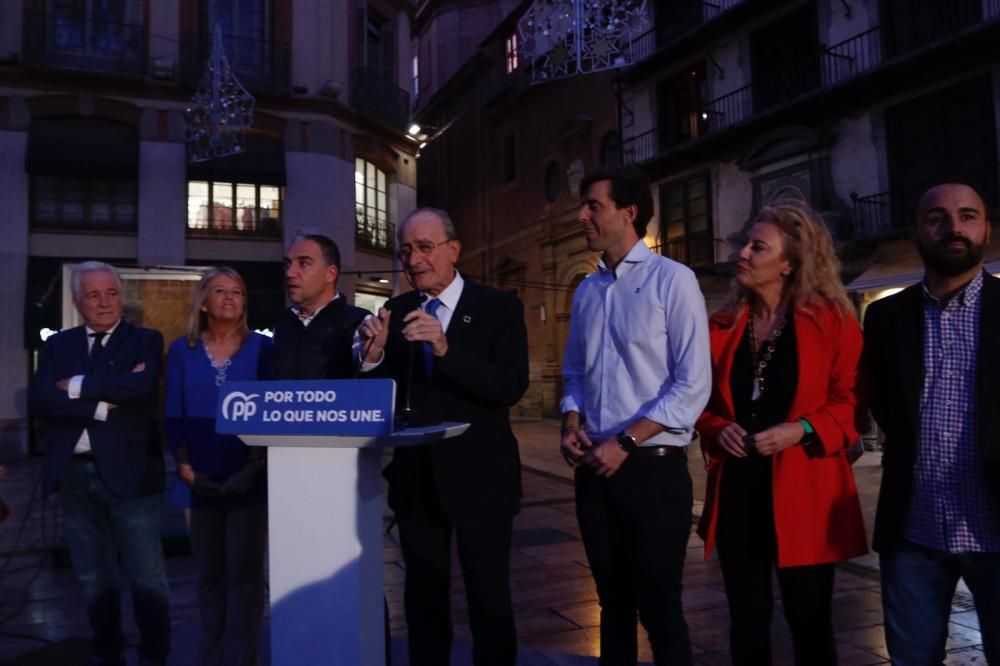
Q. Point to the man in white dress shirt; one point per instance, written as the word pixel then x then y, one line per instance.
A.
pixel 636 375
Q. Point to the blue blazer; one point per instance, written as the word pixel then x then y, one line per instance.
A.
pixel 126 446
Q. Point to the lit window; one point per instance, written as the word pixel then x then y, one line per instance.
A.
pixel 415 88
pixel 511 53
pixel 371 206
pixel 234 208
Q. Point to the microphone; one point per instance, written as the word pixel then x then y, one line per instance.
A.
pixel 407 415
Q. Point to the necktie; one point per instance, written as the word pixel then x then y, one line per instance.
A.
pixel 431 309
pixel 97 349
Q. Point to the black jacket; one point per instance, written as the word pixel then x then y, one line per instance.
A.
pixel 321 350
pixel 126 446
pixel 477 475
pixel 894 362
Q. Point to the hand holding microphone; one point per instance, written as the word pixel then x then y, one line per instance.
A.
pixel 374 331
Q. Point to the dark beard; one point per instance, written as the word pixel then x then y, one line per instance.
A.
pixel 941 259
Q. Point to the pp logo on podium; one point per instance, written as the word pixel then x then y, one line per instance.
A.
pixel 238 406
pixel 357 407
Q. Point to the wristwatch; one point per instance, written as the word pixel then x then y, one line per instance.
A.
pixel 626 442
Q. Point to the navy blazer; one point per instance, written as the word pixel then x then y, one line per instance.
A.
pixel 893 359
pixel 485 372
pixel 126 446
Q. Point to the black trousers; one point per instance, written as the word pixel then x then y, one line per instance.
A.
pixel 484 555
pixel 228 545
pixel 748 554
pixel 635 528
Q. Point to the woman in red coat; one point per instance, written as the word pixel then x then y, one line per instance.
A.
pixel 775 435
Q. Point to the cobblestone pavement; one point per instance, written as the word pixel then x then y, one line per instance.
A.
pixel 554 597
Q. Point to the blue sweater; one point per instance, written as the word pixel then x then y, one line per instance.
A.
pixel 189 412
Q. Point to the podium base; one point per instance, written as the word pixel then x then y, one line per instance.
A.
pixel 325 544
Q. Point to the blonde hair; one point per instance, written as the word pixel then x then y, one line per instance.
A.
pixel 198 320
pixel 808 247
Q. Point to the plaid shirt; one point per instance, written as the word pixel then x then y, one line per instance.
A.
pixel 950 508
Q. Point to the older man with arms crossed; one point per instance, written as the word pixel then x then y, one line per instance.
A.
pixel 459 350
pixel 96 390
pixel 636 376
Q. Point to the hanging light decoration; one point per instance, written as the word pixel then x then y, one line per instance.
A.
pixel 563 38
pixel 220 111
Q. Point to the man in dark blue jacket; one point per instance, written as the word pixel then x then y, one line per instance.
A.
pixel 96 390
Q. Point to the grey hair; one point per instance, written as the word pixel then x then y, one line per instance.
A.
pixel 440 213
pixel 90 267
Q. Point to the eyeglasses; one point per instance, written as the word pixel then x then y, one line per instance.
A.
pixel 422 248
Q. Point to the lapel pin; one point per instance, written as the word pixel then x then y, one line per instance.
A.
pixel 467 319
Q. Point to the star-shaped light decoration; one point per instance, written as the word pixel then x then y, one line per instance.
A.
pixel 601 47
pixel 221 110
pixel 558 56
pixel 561 38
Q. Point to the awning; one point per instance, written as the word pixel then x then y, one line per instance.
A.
pixel 900 273
pixel 76 146
pixel 261 163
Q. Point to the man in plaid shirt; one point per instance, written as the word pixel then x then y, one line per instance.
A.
pixel 932 353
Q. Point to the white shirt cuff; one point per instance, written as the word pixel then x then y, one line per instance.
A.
pixel 368 367
pixel 101 412
pixel 75 384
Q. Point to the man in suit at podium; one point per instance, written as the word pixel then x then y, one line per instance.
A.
pixel 458 351
pixel 96 389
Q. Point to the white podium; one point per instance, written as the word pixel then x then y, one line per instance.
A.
pixel 325 524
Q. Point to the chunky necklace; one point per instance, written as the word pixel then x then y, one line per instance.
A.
pixel 220 368
pixel 761 359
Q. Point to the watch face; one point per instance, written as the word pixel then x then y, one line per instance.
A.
pixel 626 442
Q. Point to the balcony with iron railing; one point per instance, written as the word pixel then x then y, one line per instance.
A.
pixel 911 26
pixel 259 64
pixel 223 224
pixel 669 29
pixel 730 109
pixel 717 115
pixel 80 42
pixel 695 250
pixel 852 57
pixel 376 235
pixel 835 66
pixel 871 216
pixel 375 95
pixel 890 214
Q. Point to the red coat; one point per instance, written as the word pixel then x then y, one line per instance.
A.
pixel 817 514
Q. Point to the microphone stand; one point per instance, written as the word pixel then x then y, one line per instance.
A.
pixel 406 417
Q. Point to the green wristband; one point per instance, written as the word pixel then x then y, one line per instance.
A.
pixel 807 427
